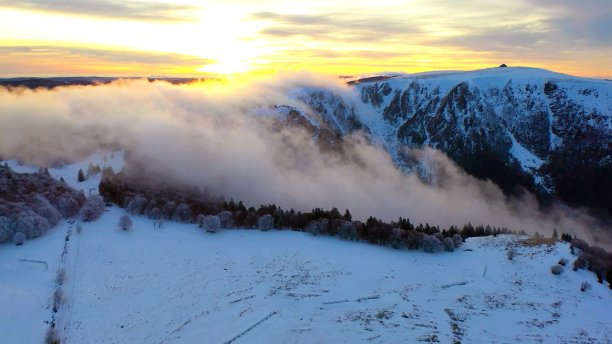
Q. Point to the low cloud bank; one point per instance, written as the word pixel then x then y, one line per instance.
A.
pixel 211 135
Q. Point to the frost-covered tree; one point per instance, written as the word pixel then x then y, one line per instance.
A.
pixel 347 231
pixel 317 227
pixel 414 240
pixel 69 205
pixel 265 222
pixel 30 223
pixel 227 219
pixel 137 206
pixel 168 210
pixel 46 210
pixel 212 223
pixel 449 244
pixel 155 213
pixel 457 239
pixel 19 238
pixel 182 213
pixel 432 244
pixel 200 220
pixel 125 222
pixel 6 231
pixel 93 209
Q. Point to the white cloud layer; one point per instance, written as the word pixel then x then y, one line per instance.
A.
pixel 209 136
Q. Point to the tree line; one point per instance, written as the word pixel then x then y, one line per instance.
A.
pixel 167 203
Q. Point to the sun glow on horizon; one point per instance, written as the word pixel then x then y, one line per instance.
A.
pixel 332 37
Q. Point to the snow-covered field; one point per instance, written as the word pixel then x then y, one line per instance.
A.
pixel 182 285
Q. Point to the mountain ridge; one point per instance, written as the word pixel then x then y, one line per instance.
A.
pixel 547 132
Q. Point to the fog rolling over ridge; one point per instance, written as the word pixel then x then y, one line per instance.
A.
pixel 227 138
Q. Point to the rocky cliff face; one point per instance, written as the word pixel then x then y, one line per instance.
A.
pixel 547 132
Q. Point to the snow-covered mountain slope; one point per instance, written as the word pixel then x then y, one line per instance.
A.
pixel 69 172
pixel 182 285
pixel 546 131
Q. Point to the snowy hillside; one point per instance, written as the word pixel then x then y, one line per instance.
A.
pixel 182 285
pixel 546 131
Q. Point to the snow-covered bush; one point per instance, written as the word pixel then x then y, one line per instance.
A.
pixel 32 203
pixel 511 253
pixel 182 213
pixel 227 219
pixel 457 239
pixel 6 232
pixel 30 223
pixel 19 238
pixel 68 205
pixel 556 269
pixel 168 210
pixel 414 240
pixel 432 244
pixel 212 223
pixel 449 244
pixel 46 210
pixel 563 262
pixel 265 222
pixel 125 222
pixel 92 210
pixel 137 206
pixel 584 286
pixel 200 220
pixel 317 227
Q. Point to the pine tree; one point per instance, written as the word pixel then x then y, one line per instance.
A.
pixel 555 234
pixel 81 176
pixel 347 215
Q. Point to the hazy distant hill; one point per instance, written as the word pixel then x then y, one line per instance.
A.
pixel 68 81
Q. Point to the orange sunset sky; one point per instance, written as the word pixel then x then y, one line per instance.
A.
pixel 202 38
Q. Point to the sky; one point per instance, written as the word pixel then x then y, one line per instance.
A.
pixel 335 37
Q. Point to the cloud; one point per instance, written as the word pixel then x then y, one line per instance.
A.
pixel 131 10
pixel 58 60
pixel 336 26
pixel 227 138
